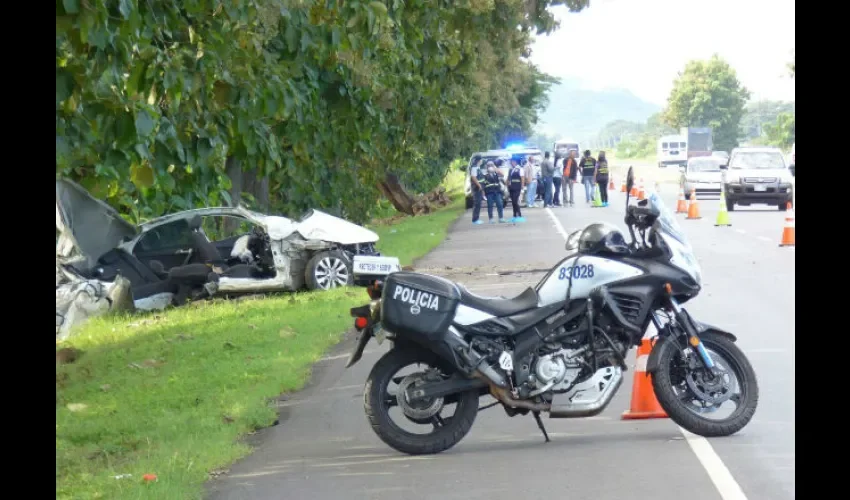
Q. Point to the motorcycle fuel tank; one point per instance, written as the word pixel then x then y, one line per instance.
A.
pixel 586 273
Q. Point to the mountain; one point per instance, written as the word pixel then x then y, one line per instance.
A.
pixel 579 113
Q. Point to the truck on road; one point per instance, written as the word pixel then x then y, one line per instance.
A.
pixel 699 141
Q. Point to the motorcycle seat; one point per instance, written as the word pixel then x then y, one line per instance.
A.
pixel 499 306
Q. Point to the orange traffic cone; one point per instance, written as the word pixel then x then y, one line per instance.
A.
pixel 644 404
pixel 641 191
pixel 789 237
pixel 693 206
pixel 634 191
pixel 682 205
pixel 623 187
pixel 611 186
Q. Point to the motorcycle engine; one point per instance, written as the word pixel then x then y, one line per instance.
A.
pixel 557 371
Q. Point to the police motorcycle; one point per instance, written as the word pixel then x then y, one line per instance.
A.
pixel 558 348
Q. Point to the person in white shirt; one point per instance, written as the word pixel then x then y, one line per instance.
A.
pixel 556 182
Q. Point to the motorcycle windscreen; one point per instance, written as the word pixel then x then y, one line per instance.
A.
pixel 418 305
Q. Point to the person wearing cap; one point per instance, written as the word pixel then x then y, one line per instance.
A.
pixel 493 191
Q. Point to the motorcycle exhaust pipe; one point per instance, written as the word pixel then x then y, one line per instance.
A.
pixel 473 359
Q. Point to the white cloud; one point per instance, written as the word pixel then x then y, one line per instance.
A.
pixel 641 45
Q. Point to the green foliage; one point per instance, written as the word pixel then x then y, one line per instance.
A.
pixel 708 93
pixel 781 133
pixel 322 97
pixel 758 114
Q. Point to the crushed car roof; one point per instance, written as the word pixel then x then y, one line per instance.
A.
pixel 93 226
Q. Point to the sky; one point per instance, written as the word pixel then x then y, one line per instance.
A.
pixel 641 45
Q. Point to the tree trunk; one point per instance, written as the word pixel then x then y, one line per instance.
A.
pixel 395 192
pixel 233 169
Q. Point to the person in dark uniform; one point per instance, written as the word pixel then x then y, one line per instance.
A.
pixel 476 177
pixel 602 177
pixel 588 171
pixel 493 190
pixel 516 181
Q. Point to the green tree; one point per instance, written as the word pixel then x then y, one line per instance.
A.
pixel 162 106
pixel 759 113
pixel 782 132
pixel 708 93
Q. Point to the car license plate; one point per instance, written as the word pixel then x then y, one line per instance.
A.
pixel 375 265
pixel 760 188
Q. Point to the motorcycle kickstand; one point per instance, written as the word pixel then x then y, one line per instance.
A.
pixel 540 425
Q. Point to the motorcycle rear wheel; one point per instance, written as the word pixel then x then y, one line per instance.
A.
pixel 667 380
pixel 377 407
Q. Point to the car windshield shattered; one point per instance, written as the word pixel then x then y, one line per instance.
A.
pixel 757 160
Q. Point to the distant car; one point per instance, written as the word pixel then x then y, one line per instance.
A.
pixel 702 175
pixel 721 154
pixel 758 175
pixel 499 154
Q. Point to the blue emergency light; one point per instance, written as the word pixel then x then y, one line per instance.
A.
pixel 516 146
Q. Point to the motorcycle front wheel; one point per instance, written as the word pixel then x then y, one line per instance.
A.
pixel 419 427
pixel 709 406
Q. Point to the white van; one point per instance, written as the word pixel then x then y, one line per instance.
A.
pixel 563 147
pixel 672 150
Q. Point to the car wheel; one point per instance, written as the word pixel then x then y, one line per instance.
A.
pixel 730 205
pixel 328 270
pixel 782 206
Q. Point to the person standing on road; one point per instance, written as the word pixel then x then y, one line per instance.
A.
pixel 588 169
pixel 570 176
pixel 547 172
pixel 516 181
pixel 602 177
pixel 493 189
pixel 476 177
pixel 557 177
pixel 530 183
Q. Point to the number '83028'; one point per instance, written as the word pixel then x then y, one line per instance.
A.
pixel 576 272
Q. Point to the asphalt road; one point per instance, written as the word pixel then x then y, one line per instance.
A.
pixel 324 448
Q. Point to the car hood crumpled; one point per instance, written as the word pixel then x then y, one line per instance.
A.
pixel 321 226
pixel 87 224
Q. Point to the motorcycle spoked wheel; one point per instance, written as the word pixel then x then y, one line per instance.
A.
pixel 444 432
pixel 679 388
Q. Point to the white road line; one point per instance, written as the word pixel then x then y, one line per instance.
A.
pixel 726 485
pixel 740 231
pixel 557 224
pixel 719 474
pixel 765 238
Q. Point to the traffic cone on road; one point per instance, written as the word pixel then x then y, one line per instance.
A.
pixel 611 186
pixel 644 403
pixel 641 191
pixel 597 198
pixel 789 238
pixel 723 214
pixel 623 186
pixel 682 205
pixel 693 206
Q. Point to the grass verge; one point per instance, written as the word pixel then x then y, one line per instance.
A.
pixel 170 393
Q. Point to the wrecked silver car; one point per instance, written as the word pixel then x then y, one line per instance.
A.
pixel 208 251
